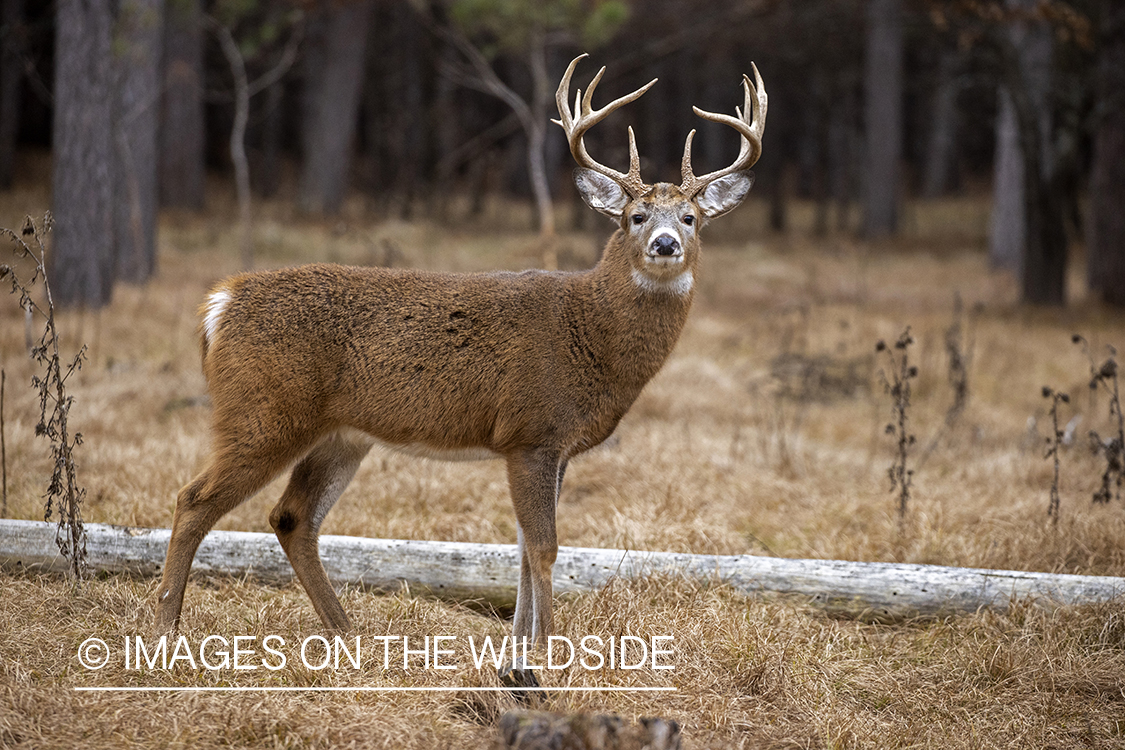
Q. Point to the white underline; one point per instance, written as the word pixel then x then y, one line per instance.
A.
pixel 364 689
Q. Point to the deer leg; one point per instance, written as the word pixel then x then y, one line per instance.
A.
pixel 314 487
pixel 533 478
pixel 235 473
pixel 558 484
pixel 522 624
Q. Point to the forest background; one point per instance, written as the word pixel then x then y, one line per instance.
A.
pixel 410 104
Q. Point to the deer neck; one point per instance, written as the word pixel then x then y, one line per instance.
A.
pixel 641 320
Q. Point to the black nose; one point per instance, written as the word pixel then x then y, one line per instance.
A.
pixel 666 245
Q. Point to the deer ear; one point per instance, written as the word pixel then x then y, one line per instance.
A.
pixel 600 192
pixel 724 194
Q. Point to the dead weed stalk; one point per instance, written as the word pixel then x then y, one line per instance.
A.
pixel 898 387
pixel 1054 440
pixel 1111 448
pixel 959 344
pixel 64 494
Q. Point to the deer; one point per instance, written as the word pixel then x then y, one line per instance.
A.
pixel 309 367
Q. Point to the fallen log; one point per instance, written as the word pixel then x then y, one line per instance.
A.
pixel 489 572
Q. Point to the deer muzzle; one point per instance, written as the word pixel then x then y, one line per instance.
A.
pixel 665 246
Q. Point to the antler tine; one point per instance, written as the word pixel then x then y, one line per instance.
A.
pixel 587 100
pixel 575 122
pixel 566 116
pixel 750 124
pixel 634 155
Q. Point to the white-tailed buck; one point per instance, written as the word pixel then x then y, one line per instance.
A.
pixel 311 366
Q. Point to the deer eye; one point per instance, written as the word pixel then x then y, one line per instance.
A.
pixel 638 218
pixel 689 220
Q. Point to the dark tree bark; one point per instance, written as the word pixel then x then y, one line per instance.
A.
pixel 181 126
pixel 1026 52
pixel 820 106
pixel 715 90
pixel 656 130
pixel 446 132
pixel 138 39
pixel 406 99
pixel 1044 264
pixel 844 147
pixel 883 73
pixel 268 176
pixel 378 170
pixel 333 79
pixel 940 165
pixel 1106 225
pixel 11 86
pixel 81 251
pixel 541 91
pixel 1035 204
pixel 772 169
pixel 775 172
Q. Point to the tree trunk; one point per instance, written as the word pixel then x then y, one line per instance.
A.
pixel 940 167
pixel 405 98
pixel 1044 265
pixel 1023 201
pixel 883 117
pixel 377 167
pixel 269 176
pixel 656 129
pixel 333 80
pixel 137 45
pixel 1007 232
pixel 776 171
pixel 237 65
pixel 843 150
pixel 1106 225
pixel 11 86
pixel 181 126
pixel 447 134
pixel 716 88
pixel 773 167
pixel 537 151
pixel 81 252
pixel 1026 58
pixel 820 105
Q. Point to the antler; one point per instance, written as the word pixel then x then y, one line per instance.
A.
pixel 577 121
pixel 750 123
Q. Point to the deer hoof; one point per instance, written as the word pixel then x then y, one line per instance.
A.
pixel 518 679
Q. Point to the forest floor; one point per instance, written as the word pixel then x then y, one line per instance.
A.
pixel 763 434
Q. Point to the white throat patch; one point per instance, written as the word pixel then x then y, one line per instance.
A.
pixel 680 285
pixel 216 306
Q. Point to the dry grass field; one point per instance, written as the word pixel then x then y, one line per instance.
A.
pixel 764 434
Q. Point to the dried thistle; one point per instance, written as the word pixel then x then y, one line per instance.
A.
pixel 1054 440
pixel 64 494
pixel 898 388
pixel 1111 448
pixel 959 341
pixel 959 344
